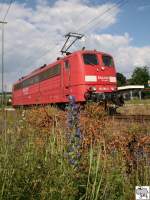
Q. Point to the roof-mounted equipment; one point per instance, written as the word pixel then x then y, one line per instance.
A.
pixel 67 45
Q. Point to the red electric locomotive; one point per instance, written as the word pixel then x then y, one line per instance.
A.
pixel 85 74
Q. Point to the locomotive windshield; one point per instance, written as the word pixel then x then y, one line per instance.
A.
pixel 107 61
pixel 90 59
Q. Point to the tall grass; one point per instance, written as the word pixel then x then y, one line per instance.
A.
pixel 33 162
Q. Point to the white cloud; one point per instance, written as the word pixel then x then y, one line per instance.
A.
pixel 107 42
pixel 31 32
pixel 125 55
pixel 130 57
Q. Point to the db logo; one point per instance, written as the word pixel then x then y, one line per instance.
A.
pixel 142 192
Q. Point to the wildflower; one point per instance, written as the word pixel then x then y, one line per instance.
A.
pixel 74 135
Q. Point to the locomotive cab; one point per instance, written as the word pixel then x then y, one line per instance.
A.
pixel 91 72
pixel 103 82
pixel 100 71
pixel 92 77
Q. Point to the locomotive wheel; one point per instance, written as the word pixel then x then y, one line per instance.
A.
pixel 111 110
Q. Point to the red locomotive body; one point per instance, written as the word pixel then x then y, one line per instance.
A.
pixel 84 74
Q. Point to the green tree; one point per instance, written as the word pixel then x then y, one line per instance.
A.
pixel 121 79
pixel 140 76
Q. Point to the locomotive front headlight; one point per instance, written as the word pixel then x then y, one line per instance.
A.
pixel 92 89
pixel 112 88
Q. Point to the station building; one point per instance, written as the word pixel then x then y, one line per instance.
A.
pixel 131 91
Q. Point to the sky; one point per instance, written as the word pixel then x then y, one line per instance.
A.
pixel 35 32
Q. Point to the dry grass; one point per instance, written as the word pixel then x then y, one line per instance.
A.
pixel 138 109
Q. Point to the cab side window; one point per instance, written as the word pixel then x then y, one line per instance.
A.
pixel 67 64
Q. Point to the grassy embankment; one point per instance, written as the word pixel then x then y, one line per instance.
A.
pixel 115 157
pixel 138 101
pixel 136 106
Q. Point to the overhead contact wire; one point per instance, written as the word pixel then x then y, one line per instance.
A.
pixel 7 11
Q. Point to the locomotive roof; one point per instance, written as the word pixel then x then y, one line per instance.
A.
pixel 44 67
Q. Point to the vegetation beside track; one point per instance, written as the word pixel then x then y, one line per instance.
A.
pixel 115 156
pixel 135 108
pixel 138 101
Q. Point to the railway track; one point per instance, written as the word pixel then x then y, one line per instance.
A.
pixel 139 118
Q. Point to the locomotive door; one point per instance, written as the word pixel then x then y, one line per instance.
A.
pixel 66 77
